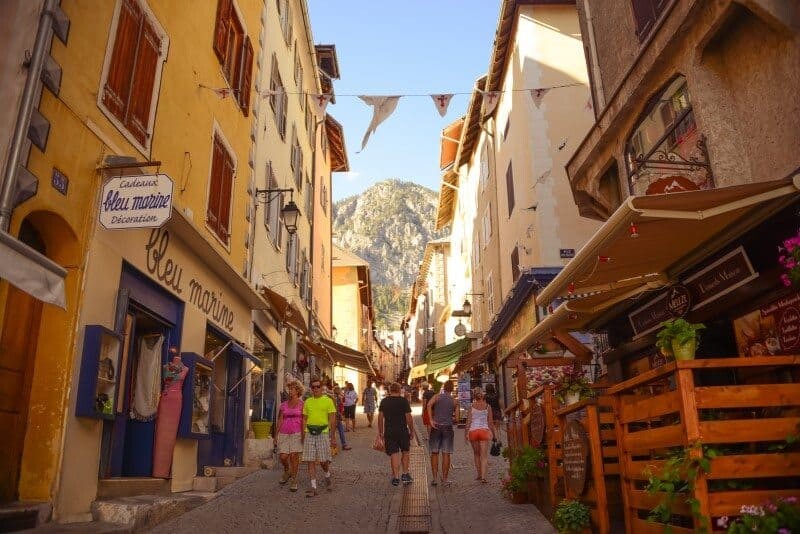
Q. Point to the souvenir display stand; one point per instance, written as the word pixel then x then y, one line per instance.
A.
pixel 99 376
pixel 197 397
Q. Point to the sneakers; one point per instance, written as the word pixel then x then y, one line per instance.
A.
pixel 406 478
pixel 285 477
pixel 395 482
pixel 293 485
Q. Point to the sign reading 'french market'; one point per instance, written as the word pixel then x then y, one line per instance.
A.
pixel 141 201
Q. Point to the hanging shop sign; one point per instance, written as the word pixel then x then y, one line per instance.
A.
pixel 575 448
pixel 141 201
pixel 716 280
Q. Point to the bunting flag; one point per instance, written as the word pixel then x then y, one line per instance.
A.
pixel 383 106
pixel 222 92
pixel 542 177
pixel 442 101
pixel 321 102
pixel 538 95
pixel 490 100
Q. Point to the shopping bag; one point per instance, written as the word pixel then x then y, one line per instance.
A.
pixel 379 445
pixel 496 448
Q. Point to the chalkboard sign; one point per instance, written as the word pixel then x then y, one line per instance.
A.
pixel 575 448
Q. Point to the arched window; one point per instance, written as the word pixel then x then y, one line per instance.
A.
pixel 666 153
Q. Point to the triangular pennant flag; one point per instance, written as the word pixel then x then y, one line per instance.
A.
pixel 538 95
pixel 383 106
pixel 321 102
pixel 222 92
pixel 490 100
pixel 442 101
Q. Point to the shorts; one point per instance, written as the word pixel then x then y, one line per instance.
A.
pixel 395 443
pixel 289 443
pixel 479 434
pixel 317 448
pixel 441 439
pixel 350 412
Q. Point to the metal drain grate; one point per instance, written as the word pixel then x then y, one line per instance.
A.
pixel 415 510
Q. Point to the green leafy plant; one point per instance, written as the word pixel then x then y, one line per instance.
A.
pixel 510 485
pixel 779 516
pixel 677 333
pixel 791 441
pixel 571 517
pixel 676 481
pixel 573 381
pixel 528 462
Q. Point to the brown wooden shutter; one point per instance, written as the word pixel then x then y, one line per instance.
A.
pixel 144 77
pixel 246 77
pixel 118 81
pixel 214 188
pixel 221 29
pixel 510 187
pixel 225 198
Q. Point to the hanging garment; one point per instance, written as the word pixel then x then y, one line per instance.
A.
pixel 169 415
pixel 147 386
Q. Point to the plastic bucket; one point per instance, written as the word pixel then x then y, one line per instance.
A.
pixel 261 429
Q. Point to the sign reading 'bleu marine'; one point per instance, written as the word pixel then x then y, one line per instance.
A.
pixel 143 201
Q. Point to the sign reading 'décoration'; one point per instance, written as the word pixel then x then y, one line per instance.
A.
pixel 142 201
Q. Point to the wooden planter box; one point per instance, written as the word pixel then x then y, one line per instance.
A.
pixel 742 407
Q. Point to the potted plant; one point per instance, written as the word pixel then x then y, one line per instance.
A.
pixel 514 490
pixel 572 517
pixel 679 338
pixel 573 386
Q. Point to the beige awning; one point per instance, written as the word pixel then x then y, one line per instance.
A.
pixel 473 358
pixel 31 272
pixel 344 356
pixel 674 231
pixel 285 311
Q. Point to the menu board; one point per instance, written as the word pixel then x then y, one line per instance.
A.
pixel 773 329
pixel 575 448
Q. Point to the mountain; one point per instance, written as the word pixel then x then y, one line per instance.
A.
pixel 388 225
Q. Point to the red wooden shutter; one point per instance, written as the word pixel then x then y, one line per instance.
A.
pixel 225 199
pixel 118 81
pixel 246 78
pixel 214 188
pixel 144 76
pixel 221 28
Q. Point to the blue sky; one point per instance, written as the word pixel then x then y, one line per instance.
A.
pixel 406 47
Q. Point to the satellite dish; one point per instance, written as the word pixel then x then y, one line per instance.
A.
pixel 460 329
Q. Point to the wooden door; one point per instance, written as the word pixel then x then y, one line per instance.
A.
pixel 17 353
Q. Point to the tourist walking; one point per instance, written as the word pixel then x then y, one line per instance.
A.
pixel 441 410
pixel 427 395
pixel 369 398
pixel 396 428
pixel 289 439
pixel 479 431
pixel 350 401
pixel 338 400
pixel 319 419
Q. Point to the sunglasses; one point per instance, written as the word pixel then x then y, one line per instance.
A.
pixel 316 386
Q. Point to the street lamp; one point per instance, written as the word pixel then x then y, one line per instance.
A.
pixel 290 212
pixel 467 307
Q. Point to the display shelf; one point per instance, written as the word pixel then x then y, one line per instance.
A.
pixel 197 399
pixel 99 377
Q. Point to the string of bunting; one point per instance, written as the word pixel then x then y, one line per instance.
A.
pixel 384 106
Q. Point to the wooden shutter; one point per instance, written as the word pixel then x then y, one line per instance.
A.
pixel 118 81
pixel 222 28
pixel 217 163
pixel 144 77
pixel 510 187
pixel 246 77
pixel 226 191
pixel 515 264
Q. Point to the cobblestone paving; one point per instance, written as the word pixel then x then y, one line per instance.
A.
pixel 361 500
pixel 467 505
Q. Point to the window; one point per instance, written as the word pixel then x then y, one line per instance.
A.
pixel 272 211
pixel 490 293
pixel 132 72
pixel 278 100
pixel 666 153
pixel 487 225
pixel 298 77
pixel 510 187
pixel 323 197
pixel 235 52
pixel 323 139
pixel 291 257
pixel 285 15
pixel 218 215
pixel 309 198
pixel 310 126
pixel 484 173
pixel 646 13
pixel 296 160
pixel 476 251
pixel 515 264
pixel 305 279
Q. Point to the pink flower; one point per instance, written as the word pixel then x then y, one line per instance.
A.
pixel 722 522
pixel 790 500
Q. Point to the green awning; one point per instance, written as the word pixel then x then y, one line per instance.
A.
pixel 443 357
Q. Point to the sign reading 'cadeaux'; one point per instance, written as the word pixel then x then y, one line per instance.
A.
pixel 142 201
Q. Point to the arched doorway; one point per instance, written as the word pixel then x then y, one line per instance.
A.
pixel 18 341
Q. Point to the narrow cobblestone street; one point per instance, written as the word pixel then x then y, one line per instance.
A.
pixel 362 499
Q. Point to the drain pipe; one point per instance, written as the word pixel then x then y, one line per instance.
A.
pixel 9 184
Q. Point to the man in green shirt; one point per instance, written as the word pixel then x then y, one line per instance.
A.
pixel 319 417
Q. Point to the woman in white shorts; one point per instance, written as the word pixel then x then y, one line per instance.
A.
pixel 289 435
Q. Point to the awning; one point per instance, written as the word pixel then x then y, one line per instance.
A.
pixel 31 272
pixel 656 237
pixel 346 357
pixel 476 357
pixel 285 312
pixel 443 357
pixel 315 349
pixel 242 352
pixel 418 371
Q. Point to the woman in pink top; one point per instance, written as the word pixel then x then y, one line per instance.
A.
pixel 289 437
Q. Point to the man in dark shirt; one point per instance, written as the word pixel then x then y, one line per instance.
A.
pixel 396 427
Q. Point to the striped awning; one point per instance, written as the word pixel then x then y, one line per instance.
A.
pixel 476 357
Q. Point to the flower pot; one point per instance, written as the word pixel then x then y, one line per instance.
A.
pixel 261 429
pixel 519 497
pixel 685 351
pixel 571 398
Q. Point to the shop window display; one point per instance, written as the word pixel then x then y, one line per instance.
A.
pixel 97 390
pixel 197 398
